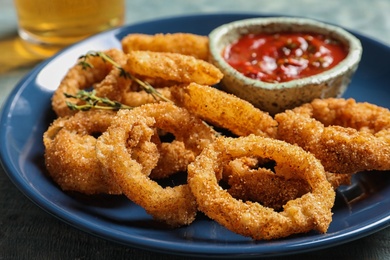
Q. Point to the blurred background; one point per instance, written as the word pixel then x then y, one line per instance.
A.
pixel 358 15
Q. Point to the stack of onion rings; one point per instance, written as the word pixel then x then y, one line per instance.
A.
pixel 134 129
pixel 276 188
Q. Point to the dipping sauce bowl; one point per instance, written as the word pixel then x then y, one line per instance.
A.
pixel 278 63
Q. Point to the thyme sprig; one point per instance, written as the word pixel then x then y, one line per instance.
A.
pixel 93 102
pixel 123 73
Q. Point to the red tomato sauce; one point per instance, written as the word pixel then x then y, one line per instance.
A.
pixel 284 56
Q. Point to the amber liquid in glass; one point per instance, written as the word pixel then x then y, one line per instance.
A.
pixel 58 23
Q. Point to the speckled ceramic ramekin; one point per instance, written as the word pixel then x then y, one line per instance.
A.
pixel 277 97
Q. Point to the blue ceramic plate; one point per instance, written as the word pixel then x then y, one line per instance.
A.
pixel 361 209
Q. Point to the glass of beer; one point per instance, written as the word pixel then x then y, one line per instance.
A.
pixel 46 26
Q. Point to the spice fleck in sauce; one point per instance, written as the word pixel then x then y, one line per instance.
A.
pixel 283 56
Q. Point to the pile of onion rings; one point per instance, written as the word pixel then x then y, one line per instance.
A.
pixel 130 138
pixel 259 176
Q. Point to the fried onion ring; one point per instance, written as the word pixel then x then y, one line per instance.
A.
pixel 311 211
pixel 175 206
pixel 70 156
pixel 224 110
pixel 78 78
pixel 172 67
pixel 347 137
pixel 183 43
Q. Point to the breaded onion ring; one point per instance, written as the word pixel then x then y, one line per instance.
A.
pixel 347 137
pixel 172 67
pixel 175 206
pixel 70 155
pixel 311 211
pixel 183 43
pixel 224 110
pixel 78 78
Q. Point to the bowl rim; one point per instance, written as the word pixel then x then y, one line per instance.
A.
pixel 351 60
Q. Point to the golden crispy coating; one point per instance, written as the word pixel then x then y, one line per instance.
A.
pixel 70 153
pixel 172 67
pixel 248 181
pixel 183 43
pixel 339 179
pixel 361 116
pixel 113 86
pixel 224 110
pixel 343 141
pixel 174 158
pixel 122 89
pixel 175 206
pixel 311 211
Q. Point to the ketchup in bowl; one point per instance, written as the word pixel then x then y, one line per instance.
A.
pixel 283 56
